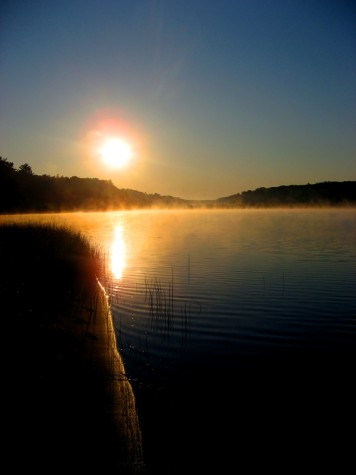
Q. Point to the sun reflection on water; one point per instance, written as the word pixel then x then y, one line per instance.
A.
pixel 118 253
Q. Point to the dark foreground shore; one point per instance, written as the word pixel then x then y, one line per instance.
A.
pixel 68 405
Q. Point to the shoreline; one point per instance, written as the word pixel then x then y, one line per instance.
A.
pixel 75 407
pixel 67 401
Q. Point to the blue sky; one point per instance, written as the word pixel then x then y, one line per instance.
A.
pixel 215 97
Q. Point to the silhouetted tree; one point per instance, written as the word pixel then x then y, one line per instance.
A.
pixel 6 167
pixel 25 169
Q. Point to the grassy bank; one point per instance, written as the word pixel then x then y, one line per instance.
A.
pixel 68 400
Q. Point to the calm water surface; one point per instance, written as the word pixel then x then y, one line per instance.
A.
pixel 231 324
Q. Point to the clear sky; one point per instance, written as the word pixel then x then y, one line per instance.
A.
pixel 214 97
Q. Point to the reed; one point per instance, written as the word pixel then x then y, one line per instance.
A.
pixel 162 326
pixel 160 305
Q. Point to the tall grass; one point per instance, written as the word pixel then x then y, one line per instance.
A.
pixel 159 329
pixel 45 266
pixel 160 305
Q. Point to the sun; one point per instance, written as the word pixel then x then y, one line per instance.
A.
pixel 116 152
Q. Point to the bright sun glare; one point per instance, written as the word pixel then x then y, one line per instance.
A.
pixel 116 153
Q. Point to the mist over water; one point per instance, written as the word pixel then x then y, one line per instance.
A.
pixel 237 329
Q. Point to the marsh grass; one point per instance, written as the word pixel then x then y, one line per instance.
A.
pixel 160 305
pixel 162 329
pixel 48 278
pixel 45 267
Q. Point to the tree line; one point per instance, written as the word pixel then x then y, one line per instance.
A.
pixel 329 193
pixel 21 191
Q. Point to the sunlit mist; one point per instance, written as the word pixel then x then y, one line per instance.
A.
pixel 118 253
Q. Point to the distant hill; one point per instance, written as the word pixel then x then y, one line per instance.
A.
pixel 329 193
pixel 21 191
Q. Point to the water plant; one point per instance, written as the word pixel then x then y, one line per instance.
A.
pixel 160 305
pixel 153 331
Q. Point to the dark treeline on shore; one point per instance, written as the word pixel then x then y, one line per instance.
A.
pixel 329 193
pixel 21 191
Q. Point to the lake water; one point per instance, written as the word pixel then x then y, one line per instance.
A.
pixel 237 329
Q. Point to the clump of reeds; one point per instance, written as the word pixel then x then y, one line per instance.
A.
pixel 160 304
pixel 45 265
pixel 164 328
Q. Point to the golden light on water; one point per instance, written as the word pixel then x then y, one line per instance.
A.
pixel 118 253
